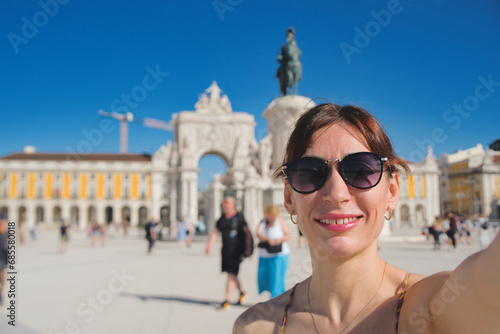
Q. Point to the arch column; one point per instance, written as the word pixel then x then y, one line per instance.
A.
pixel 189 194
pixel 215 200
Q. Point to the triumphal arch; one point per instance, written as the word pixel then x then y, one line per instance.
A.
pixel 214 128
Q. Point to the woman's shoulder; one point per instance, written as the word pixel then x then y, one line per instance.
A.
pixel 421 293
pixel 426 287
pixel 263 317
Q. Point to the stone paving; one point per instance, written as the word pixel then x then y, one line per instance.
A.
pixel 118 288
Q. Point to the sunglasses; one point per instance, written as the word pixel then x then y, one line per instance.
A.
pixel 361 170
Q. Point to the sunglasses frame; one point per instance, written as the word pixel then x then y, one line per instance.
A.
pixel 381 158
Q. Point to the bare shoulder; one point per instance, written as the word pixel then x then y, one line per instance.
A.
pixel 416 314
pixel 263 317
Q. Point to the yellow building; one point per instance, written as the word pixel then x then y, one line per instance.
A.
pixel 48 187
pixel 470 182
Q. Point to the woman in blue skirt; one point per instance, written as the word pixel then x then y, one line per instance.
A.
pixel 274 252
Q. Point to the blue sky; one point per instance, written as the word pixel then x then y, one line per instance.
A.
pixel 429 70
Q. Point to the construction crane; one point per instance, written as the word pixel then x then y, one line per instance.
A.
pixel 129 117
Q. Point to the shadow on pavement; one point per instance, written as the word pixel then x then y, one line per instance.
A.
pixel 187 300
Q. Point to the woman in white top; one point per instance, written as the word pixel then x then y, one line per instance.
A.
pixel 273 262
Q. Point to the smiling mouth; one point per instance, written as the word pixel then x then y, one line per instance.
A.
pixel 338 221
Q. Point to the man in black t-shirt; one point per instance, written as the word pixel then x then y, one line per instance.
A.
pixel 232 226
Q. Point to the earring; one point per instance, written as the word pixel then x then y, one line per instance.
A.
pixel 293 221
pixel 390 215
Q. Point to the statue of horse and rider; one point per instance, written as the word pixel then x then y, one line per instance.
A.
pixel 290 71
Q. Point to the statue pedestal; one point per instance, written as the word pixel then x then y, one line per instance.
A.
pixel 281 115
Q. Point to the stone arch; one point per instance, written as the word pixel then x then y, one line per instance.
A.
pixel 165 216
pixel 57 214
pixel 126 213
pixel 142 215
pixel 4 211
pixel 39 214
pixel 109 214
pixel 21 214
pixel 212 129
pixel 404 212
pixel 91 214
pixel 74 215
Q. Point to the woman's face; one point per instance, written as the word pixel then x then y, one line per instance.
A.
pixel 271 217
pixel 360 212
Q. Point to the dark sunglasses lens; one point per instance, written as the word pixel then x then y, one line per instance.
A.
pixel 363 170
pixel 307 174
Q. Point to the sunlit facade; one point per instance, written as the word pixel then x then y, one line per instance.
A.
pixel 470 182
pixel 49 187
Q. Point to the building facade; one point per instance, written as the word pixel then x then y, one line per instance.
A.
pixel 470 182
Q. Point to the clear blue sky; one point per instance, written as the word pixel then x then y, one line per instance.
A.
pixel 409 62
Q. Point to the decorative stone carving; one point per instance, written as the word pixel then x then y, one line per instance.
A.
pixel 215 103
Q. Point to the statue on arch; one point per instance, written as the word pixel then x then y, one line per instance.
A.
pixel 290 71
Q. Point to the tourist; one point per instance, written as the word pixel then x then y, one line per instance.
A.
pixel 150 234
pixel 437 230
pixel 63 236
pixel 274 252
pixel 452 229
pixel 235 246
pixel 341 180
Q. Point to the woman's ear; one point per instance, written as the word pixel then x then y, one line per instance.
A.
pixel 393 193
pixel 287 194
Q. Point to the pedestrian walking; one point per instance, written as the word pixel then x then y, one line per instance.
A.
pixel 452 230
pixel 236 244
pixel 274 252
pixel 63 237
pixel 436 229
pixel 150 234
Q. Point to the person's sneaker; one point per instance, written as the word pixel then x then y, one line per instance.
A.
pixel 242 298
pixel 224 305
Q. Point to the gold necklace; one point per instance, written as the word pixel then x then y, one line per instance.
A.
pixel 350 322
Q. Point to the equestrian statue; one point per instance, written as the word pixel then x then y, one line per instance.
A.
pixel 290 71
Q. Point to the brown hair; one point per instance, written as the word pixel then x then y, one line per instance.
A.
pixel 323 115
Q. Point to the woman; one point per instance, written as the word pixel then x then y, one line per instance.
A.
pixel 273 263
pixel 341 179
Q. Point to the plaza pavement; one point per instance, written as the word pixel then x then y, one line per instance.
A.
pixel 118 288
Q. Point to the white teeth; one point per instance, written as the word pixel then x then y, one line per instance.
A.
pixel 338 221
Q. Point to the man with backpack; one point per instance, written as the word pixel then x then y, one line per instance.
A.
pixel 237 243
